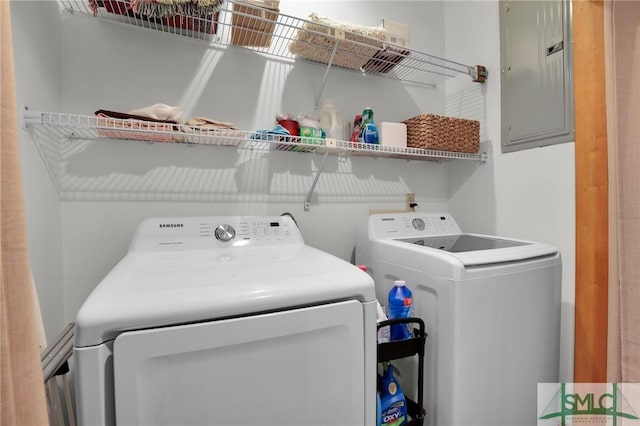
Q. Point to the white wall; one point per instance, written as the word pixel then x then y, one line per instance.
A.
pixel 36 44
pixel 108 188
pixel 527 194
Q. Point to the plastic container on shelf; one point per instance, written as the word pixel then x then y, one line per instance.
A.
pixel 384 333
pixel 288 122
pixel 355 135
pixel 310 130
pixel 400 306
pixel 368 128
pixel 331 121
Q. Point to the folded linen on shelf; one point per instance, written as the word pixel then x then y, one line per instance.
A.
pixel 160 112
pixel 164 123
pixel 119 125
pixel 207 131
pixel 275 134
pixel 209 122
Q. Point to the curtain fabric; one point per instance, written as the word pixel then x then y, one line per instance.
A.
pixel 22 394
pixel 622 29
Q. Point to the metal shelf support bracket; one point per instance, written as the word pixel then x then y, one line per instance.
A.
pixel 479 74
pixel 307 201
pixel 326 76
pixel 28 117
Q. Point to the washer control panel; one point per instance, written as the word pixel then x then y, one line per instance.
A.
pixel 225 232
pixel 418 223
pixel 208 232
pixel 399 225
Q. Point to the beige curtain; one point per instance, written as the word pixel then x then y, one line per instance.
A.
pixel 22 395
pixel 622 32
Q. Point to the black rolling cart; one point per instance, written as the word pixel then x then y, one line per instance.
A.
pixel 389 351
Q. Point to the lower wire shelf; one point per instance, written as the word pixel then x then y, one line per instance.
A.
pixel 84 127
pixel 59 135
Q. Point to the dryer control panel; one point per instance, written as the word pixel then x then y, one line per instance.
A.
pixel 405 225
pixel 194 233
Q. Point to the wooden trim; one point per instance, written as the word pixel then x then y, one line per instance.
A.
pixel 591 316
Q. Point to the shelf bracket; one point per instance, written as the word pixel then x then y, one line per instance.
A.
pixel 479 74
pixel 28 117
pixel 307 201
pixel 326 75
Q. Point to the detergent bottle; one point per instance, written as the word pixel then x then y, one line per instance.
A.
pixel 331 120
pixel 393 404
pixel 309 129
pixel 368 128
pixel 400 306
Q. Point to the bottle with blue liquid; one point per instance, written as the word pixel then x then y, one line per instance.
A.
pixel 400 306
pixel 393 404
pixel 368 128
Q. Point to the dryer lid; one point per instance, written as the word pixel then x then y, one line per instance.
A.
pixel 173 279
pixel 147 290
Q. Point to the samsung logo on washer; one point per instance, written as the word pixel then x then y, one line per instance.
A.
pixel 171 225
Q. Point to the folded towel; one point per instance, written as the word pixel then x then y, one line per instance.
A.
pixel 126 126
pixel 127 116
pixel 209 122
pixel 274 134
pixel 160 112
pixel 208 131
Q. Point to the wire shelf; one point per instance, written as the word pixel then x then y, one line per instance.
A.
pixel 275 34
pixel 83 127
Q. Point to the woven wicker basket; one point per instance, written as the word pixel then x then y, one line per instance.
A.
pixel 318 47
pixel 249 31
pixel 429 131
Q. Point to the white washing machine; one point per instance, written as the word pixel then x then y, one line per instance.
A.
pixel 227 321
pixel 492 312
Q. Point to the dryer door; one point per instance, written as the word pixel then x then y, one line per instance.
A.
pixel 296 367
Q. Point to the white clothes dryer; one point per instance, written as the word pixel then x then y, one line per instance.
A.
pixel 227 321
pixel 492 312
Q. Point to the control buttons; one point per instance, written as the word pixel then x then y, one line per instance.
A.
pixel 418 224
pixel 225 233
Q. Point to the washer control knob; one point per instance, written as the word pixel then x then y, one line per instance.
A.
pixel 225 233
pixel 418 224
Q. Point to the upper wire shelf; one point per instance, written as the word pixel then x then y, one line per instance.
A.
pixel 279 35
pixel 83 127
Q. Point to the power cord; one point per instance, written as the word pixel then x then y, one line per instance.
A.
pixel 291 216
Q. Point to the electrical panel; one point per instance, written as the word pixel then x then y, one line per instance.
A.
pixel 536 73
